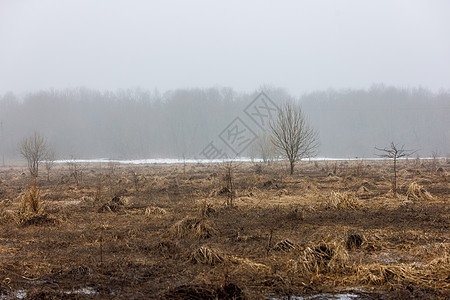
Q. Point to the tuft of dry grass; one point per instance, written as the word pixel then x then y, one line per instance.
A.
pixel 380 274
pixel 343 200
pixel 324 257
pixel 207 256
pixel 31 200
pixel 354 241
pixel 192 227
pixel 205 209
pixel 6 216
pixel 114 205
pixel 284 245
pixel 30 211
pixel 154 210
pixel 417 192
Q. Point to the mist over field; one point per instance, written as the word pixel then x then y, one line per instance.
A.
pixel 258 149
pixel 112 79
pixel 129 124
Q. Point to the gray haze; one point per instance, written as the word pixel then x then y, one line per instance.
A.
pixel 144 79
pixel 302 46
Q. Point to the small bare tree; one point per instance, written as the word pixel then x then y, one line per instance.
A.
pixel 229 168
pixel 34 149
pixel 50 158
pixel 264 147
pixel 292 135
pixel 75 170
pixel 229 174
pixel 394 152
pixel 434 163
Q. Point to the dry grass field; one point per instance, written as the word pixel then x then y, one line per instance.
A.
pixel 182 232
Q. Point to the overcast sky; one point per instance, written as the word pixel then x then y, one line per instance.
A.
pixel 299 45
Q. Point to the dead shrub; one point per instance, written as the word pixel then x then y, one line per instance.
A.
pixel 417 192
pixel 192 227
pixel 207 256
pixel 343 200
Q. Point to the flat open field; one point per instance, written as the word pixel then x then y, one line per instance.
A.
pixel 182 232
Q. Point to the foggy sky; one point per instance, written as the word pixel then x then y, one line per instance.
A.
pixel 299 45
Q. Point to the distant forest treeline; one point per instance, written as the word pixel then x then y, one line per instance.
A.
pixel 136 123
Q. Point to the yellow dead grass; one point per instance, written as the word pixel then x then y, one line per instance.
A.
pixel 417 192
pixel 154 210
pixel 206 255
pixel 192 227
pixel 343 200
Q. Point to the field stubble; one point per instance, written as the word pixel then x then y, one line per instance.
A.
pixel 165 231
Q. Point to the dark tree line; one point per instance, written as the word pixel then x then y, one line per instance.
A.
pixel 136 123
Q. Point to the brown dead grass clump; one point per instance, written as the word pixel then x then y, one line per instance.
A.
pixel 207 256
pixel 6 216
pixel 192 227
pixel 380 274
pixel 285 245
pixel 362 190
pixel 322 258
pixel 115 205
pixel 354 241
pixel 31 212
pixel 205 209
pixel 343 200
pixel 154 210
pixel 32 199
pixel 417 192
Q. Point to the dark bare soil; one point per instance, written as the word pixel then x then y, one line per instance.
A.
pixel 182 232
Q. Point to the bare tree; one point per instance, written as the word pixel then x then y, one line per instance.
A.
pixel 434 163
pixel 50 158
pixel 394 152
pixel 229 174
pixel 34 149
pixel 264 147
pixel 292 135
pixel 75 170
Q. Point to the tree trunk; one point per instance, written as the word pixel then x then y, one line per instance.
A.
pixel 395 177
pixel 292 162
